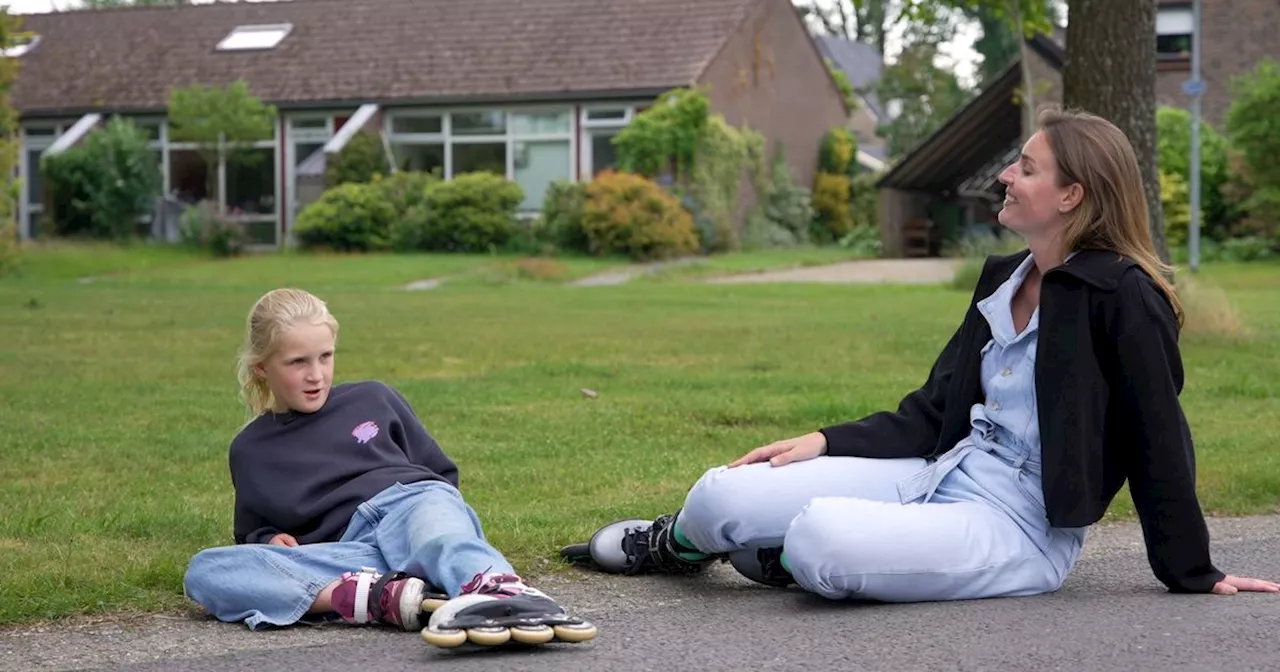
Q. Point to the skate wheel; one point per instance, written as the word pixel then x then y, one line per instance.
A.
pixel 575 632
pixel 576 553
pixel 430 604
pixel 489 636
pixel 532 634
pixel 445 639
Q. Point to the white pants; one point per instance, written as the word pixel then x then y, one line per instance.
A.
pixel 846 534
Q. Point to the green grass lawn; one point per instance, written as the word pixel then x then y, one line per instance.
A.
pixel 119 395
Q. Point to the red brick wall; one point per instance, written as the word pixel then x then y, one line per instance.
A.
pixel 1235 35
pixel 771 76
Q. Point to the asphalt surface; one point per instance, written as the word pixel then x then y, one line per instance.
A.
pixel 1111 615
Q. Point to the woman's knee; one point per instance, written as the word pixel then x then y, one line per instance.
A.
pixel 212 567
pixel 719 494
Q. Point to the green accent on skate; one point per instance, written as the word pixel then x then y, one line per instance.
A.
pixel 692 555
pixel 782 558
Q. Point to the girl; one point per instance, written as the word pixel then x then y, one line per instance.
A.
pixel 1060 384
pixel 345 505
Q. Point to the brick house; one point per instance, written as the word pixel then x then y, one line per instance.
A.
pixel 1234 36
pixel 948 183
pixel 532 90
pixel 861 64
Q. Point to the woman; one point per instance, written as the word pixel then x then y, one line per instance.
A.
pixel 1060 384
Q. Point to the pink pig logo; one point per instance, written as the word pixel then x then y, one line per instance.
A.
pixel 365 431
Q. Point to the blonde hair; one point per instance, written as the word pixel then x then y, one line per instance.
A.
pixel 1113 213
pixel 270 317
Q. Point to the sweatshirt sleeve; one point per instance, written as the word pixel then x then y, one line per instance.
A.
pixel 913 430
pixel 1162 467
pixel 418 445
pixel 249 528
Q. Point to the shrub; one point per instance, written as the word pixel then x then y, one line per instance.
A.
pixel 784 214
pixel 627 214
pixel 1254 133
pixel 473 212
pixel 201 226
pixel 405 190
pixel 102 187
pixel 837 150
pixel 349 217
pixel 865 202
pixel 830 201
pixel 362 159
pixel 1177 208
pixel 561 222
pixel 10 249
pixel 1173 150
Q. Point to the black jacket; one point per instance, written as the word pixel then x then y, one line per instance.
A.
pixel 1108 376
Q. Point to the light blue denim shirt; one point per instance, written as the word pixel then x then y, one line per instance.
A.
pixel 1009 415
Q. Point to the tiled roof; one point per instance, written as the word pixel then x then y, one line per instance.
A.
pixel 373 50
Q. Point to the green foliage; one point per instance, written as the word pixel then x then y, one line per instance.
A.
pixel 842 83
pixel 102 186
pixel 221 122
pixel 865 201
pixel 1176 205
pixel 700 155
pixel 784 213
pixel 359 161
pixel 561 220
pixel 664 138
pixel 723 154
pixel 10 250
pixel 350 217
pixel 1253 129
pixel 404 190
pixel 929 95
pixel 202 227
pixel 473 212
pixel 630 215
pixel 832 219
pixel 1173 155
pixel 837 151
pixel 863 240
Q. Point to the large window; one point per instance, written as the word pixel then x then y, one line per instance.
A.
pixel 532 146
pixel 1173 32
pixel 600 123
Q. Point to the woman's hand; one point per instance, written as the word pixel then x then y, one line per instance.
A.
pixel 786 451
pixel 283 539
pixel 1234 584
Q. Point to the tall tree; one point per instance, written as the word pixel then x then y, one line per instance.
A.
pixel 867 21
pixel 928 95
pixel 1111 71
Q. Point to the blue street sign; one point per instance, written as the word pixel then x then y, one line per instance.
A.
pixel 1193 87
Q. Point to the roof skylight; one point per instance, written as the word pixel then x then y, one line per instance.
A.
pixel 21 47
pixel 248 38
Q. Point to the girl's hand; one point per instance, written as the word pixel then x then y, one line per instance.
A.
pixel 1234 584
pixel 778 453
pixel 283 539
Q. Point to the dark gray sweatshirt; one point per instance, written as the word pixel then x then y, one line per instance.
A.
pixel 305 474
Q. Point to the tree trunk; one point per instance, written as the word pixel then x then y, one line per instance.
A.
pixel 1111 71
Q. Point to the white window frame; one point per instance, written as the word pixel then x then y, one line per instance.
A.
pixel 294 137
pixel 38 143
pixel 590 127
pixel 273 143
pixel 224 45
pixel 447 138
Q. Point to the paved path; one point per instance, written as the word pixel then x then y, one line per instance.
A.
pixel 1111 615
pixel 898 271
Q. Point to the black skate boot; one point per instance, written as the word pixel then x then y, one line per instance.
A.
pixel 636 547
pixel 762 566
pixel 495 609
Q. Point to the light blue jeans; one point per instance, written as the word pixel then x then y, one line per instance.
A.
pixel 877 529
pixel 424 529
